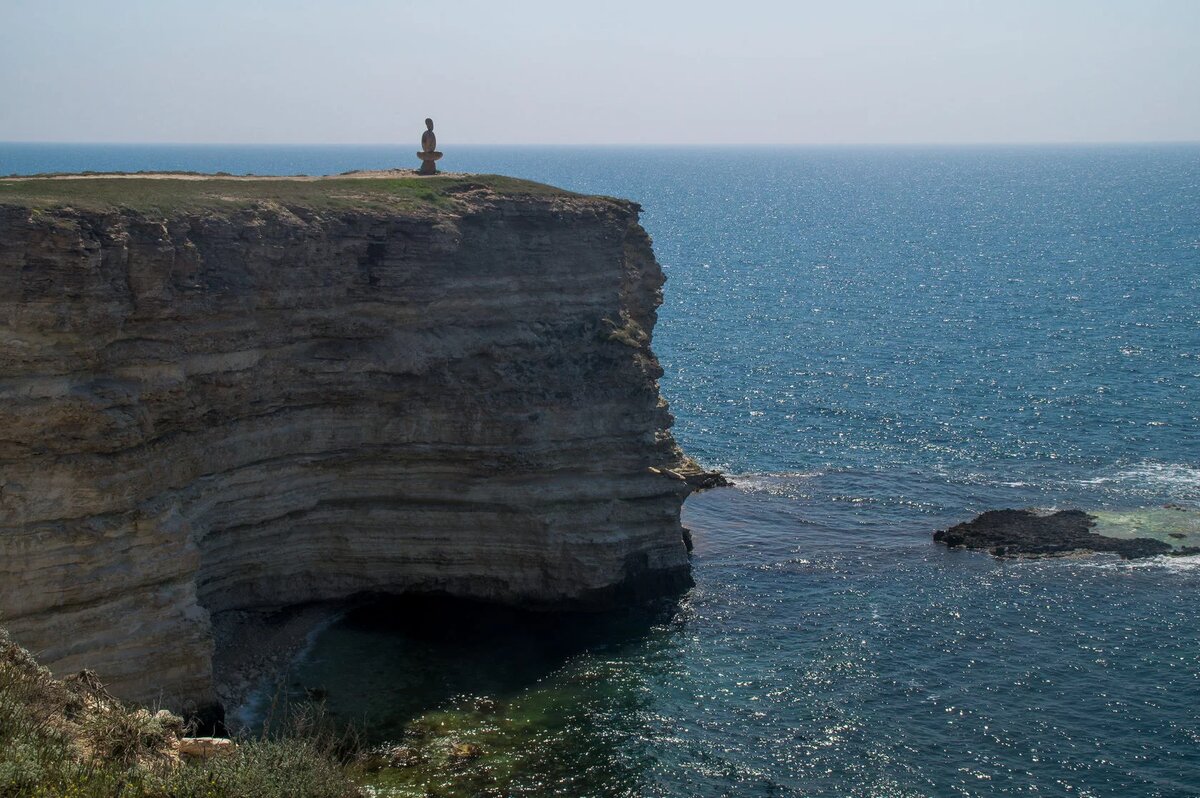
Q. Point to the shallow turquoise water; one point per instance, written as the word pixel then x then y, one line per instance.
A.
pixel 876 343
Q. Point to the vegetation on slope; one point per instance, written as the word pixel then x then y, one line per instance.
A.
pixel 70 738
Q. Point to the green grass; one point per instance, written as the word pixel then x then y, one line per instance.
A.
pixel 224 193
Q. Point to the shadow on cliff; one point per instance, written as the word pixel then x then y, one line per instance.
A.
pixel 392 661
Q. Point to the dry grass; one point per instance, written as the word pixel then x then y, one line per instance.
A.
pixel 70 738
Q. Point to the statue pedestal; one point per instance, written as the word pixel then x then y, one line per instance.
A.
pixel 428 159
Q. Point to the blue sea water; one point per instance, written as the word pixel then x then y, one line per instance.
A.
pixel 875 343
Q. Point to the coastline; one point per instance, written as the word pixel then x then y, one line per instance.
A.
pixel 829 645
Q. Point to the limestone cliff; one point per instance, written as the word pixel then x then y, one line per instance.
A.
pixel 224 394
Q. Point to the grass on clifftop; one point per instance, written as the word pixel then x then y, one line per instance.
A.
pixel 185 192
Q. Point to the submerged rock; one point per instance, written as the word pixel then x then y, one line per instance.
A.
pixel 1013 533
pixel 403 756
pixel 462 752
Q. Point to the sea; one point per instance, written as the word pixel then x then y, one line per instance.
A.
pixel 874 343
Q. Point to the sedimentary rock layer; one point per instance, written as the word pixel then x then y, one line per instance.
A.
pixel 214 408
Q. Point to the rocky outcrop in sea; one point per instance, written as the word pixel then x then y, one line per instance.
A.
pixel 1032 533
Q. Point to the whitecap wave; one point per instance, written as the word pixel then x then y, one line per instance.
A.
pixel 1189 564
pixel 1176 480
pixel 774 483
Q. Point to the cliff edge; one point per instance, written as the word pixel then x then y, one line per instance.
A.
pixel 230 393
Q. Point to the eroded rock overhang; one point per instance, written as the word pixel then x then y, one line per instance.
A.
pixel 245 402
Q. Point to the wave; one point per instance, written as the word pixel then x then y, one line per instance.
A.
pixel 773 483
pixel 1172 479
pixel 1183 565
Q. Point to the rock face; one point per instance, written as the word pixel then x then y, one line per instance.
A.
pixel 273 403
pixel 1011 533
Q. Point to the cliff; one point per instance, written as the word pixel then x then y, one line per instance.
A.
pixel 220 394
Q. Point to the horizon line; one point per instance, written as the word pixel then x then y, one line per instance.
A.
pixel 632 145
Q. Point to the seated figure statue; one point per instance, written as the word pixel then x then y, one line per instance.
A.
pixel 428 153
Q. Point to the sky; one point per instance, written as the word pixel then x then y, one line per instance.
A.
pixel 747 72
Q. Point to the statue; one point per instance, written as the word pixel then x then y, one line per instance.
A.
pixel 428 153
